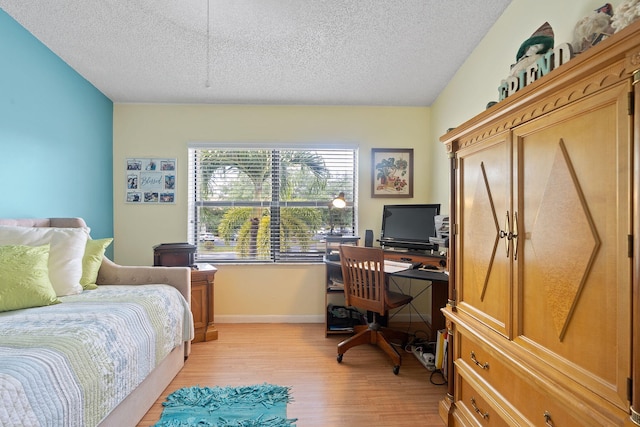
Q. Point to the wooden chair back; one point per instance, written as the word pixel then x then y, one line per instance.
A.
pixel 364 278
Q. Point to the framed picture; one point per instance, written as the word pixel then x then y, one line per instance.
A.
pixel 151 181
pixel 392 172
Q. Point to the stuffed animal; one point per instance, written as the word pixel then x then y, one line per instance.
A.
pixel 593 28
pixel 533 48
pixel 627 12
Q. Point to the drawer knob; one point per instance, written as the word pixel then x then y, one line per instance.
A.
pixel 484 365
pixel 484 415
pixel 547 419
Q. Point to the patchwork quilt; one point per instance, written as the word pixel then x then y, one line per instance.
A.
pixel 70 364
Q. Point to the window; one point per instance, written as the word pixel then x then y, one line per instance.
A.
pixel 250 203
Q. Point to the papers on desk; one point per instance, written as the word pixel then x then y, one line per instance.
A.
pixel 395 266
pixel 335 284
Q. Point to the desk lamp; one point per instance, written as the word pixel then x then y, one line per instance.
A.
pixel 337 203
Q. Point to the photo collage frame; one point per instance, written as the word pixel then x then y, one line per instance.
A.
pixel 151 180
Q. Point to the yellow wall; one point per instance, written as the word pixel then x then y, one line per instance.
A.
pixel 267 291
pixel 476 82
pixel 270 292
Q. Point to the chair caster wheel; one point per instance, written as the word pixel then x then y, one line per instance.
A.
pixel 396 369
pixel 339 358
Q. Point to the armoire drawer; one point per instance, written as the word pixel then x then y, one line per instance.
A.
pixel 472 403
pixel 481 360
pixel 515 389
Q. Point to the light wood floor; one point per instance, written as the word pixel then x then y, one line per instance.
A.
pixel 360 391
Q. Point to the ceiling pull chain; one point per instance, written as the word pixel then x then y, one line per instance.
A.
pixel 208 81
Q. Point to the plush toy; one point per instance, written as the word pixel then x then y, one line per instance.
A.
pixel 627 12
pixel 593 28
pixel 533 48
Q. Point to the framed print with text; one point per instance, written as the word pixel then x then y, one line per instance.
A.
pixel 151 181
pixel 392 172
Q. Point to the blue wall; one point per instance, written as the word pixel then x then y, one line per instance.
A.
pixel 56 136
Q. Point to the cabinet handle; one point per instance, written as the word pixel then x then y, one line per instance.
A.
pixel 510 234
pixel 484 415
pixel 547 419
pixel 484 365
pixel 506 234
pixel 514 235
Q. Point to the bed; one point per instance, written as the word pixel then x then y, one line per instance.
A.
pixel 96 357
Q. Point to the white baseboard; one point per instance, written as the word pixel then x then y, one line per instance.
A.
pixel 300 318
pixel 269 318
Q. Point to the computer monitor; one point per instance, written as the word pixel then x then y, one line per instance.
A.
pixel 409 226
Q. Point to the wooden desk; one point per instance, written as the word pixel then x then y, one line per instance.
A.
pixel 439 294
pixel 439 286
pixel 439 280
pixel 202 302
pixel 424 258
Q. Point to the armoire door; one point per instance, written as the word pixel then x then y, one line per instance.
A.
pixel 483 267
pixel 572 302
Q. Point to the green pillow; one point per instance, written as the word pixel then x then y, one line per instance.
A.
pixel 92 260
pixel 24 277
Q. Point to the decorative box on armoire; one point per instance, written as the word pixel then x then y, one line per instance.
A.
pixel 174 255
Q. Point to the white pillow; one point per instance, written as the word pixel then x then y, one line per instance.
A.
pixel 65 256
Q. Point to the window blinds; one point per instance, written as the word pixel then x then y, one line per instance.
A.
pixel 268 203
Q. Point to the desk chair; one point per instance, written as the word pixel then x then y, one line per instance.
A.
pixel 365 288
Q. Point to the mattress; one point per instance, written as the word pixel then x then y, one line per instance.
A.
pixel 70 364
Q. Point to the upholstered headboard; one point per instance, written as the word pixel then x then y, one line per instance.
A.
pixel 111 273
pixel 44 222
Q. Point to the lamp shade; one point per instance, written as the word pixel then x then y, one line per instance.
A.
pixel 339 202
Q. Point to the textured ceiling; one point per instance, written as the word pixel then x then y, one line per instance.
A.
pixel 296 52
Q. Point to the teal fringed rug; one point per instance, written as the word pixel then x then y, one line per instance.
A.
pixel 247 406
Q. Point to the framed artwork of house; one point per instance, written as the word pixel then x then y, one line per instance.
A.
pixel 151 181
pixel 392 172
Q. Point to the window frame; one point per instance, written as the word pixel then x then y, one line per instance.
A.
pixel 276 255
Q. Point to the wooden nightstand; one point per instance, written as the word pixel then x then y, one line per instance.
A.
pixel 202 302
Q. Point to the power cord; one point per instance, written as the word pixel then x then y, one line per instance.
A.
pixel 437 371
pixel 415 340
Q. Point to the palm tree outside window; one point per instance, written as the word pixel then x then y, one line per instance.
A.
pixel 250 203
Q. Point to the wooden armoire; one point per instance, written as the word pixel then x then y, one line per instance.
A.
pixel 543 309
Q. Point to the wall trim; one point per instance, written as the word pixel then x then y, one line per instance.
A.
pixel 269 318
pixel 301 318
